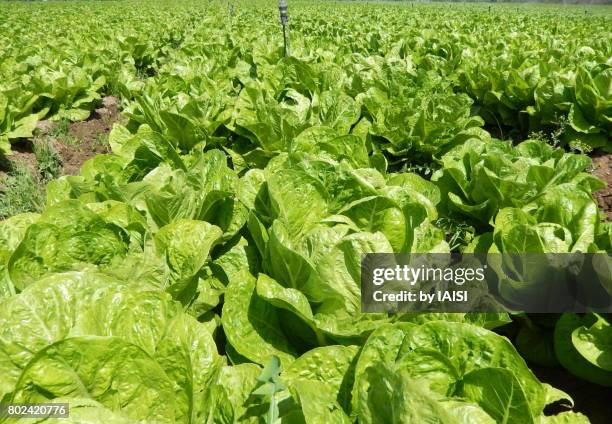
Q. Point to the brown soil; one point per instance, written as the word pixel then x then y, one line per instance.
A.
pixel 89 135
pixel 603 169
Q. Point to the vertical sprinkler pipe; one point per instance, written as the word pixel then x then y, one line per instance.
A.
pixel 284 18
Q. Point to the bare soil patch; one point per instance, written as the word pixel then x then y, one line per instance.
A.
pixel 92 134
pixel 100 122
pixel 87 138
pixel 603 170
pixel 81 142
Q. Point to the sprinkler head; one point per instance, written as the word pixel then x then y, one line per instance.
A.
pixel 282 7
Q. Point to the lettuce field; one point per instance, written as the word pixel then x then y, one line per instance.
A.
pixel 204 266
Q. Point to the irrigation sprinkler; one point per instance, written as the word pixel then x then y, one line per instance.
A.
pixel 284 18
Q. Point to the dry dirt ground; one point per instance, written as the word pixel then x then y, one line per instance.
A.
pixel 88 138
pixel 89 133
pixel 603 169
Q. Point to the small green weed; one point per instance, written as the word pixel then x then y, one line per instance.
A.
pixel 100 141
pixel 556 137
pixel 458 234
pixel 61 132
pixel 48 159
pixel 20 192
